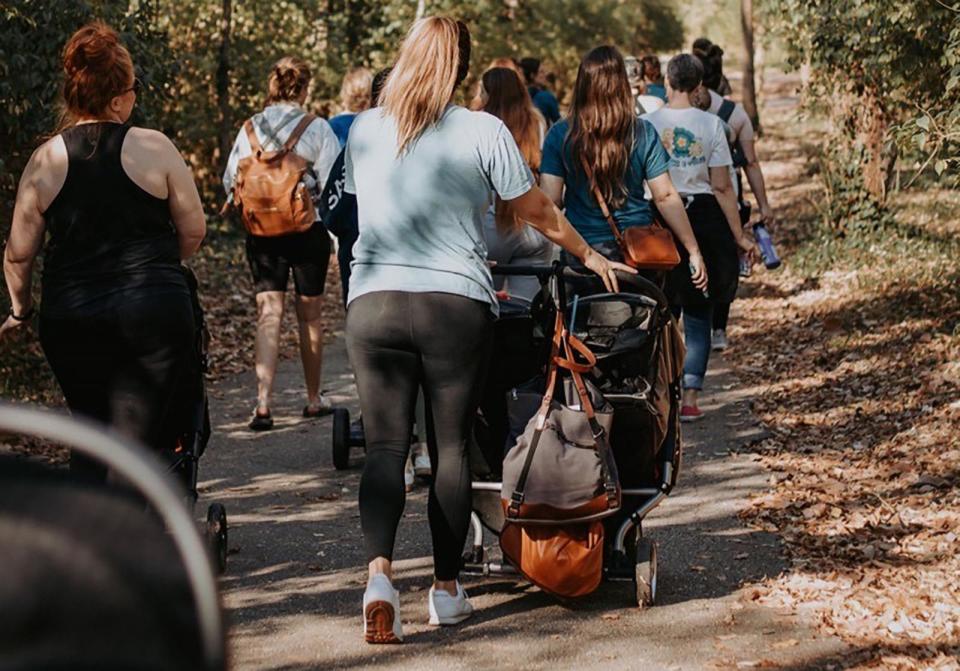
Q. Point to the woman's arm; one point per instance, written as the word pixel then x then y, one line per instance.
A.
pixel 186 210
pixel 552 185
pixel 727 198
pixel 541 212
pixel 755 178
pixel 26 238
pixel 668 203
pixel 233 161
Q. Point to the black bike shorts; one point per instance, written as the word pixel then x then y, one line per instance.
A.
pixel 307 254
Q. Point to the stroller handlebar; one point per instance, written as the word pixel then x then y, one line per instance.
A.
pixel 639 284
pixel 146 474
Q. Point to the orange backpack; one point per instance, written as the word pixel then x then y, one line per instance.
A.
pixel 269 191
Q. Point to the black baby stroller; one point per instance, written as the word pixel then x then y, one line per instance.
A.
pixel 93 578
pixel 190 429
pixel 639 365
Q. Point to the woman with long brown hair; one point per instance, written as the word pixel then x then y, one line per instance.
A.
pixel 602 145
pixel 421 301
pixel 119 209
pixel 509 239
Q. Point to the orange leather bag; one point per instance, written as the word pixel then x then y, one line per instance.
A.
pixel 269 192
pixel 644 247
pixel 565 561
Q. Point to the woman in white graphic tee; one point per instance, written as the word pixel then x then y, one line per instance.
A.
pixel 700 169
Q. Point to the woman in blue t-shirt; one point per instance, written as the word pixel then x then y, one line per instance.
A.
pixel 603 131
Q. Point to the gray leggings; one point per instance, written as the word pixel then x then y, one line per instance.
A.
pixel 400 342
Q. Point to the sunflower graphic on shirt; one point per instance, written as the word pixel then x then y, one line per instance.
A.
pixel 682 145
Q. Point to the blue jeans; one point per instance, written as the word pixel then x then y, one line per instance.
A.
pixel 696 334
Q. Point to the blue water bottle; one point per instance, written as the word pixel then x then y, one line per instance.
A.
pixel 765 242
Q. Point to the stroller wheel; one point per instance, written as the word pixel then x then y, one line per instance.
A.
pixel 341 439
pixel 645 572
pixel 216 535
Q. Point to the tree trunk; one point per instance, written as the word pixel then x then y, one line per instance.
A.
pixel 749 85
pixel 759 63
pixel 223 84
pixel 421 8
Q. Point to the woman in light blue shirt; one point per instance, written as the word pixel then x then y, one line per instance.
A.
pixel 421 301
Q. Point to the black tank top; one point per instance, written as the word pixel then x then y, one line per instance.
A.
pixel 109 240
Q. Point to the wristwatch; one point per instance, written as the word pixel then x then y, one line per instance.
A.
pixel 24 317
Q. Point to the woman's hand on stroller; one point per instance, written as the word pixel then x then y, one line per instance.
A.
pixel 606 269
pixel 698 270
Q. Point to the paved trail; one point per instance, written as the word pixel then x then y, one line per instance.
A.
pixel 295 576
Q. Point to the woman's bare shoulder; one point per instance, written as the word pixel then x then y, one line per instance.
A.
pixel 46 171
pixel 51 155
pixel 152 140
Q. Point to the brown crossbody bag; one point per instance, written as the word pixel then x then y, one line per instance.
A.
pixel 644 247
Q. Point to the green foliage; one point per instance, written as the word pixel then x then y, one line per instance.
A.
pixel 33 35
pixel 176 47
pixel 904 55
pixel 847 209
pixel 887 75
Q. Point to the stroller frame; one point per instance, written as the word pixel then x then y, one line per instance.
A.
pixel 632 557
pixel 149 475
pixel 192 431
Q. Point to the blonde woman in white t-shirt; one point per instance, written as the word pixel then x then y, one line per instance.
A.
pixel 700 170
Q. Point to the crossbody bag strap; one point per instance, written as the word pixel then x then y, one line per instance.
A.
pixel 602 202
pixel 726 110
pixel 516 497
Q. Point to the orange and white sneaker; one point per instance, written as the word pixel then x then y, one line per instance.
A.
pixel 381 612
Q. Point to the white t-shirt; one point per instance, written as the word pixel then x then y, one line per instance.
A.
pixel 648 104
pixel 739 119
pixel 696 142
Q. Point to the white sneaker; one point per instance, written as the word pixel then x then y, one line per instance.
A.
pixel 718 340
pixel 381 612
pixel 408 475
pixel 421 462
pixel 446 609
pixel 324 407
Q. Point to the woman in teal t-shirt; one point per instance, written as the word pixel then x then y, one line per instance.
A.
pixel 623 151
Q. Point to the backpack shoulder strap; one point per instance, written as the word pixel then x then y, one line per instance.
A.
pixel 298 130
pixel 726 110
pixel 255 146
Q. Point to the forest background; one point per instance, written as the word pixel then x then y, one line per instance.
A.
pixel 852 348
pixel 884 74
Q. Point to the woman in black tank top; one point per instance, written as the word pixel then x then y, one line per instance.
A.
pixel 119 210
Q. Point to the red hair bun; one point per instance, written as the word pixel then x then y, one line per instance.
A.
pixel 97 68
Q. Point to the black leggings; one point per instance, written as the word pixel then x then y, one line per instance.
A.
pixel 721 314
pixel 121 366
pixel 399 342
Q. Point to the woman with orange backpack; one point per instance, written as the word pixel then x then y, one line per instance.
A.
pixel 279 164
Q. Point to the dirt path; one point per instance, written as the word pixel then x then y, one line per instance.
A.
pixel 296 573
pixel 295 578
